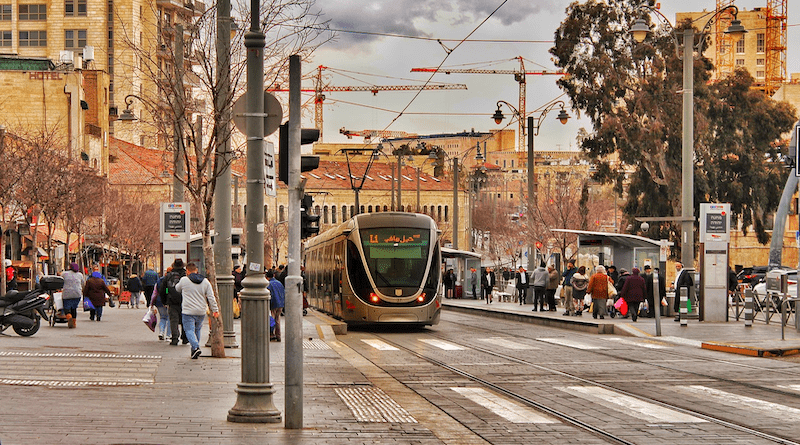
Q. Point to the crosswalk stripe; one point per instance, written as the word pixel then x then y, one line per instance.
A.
pixel 790 387
pixel 632 406
pixel 504 408
pixel 506 343
pixel 625 341
pixel 379 344
pixel 570 343
pixel 447 346
pixel 771 409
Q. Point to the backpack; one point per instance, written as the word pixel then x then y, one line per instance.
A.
pixel 169 295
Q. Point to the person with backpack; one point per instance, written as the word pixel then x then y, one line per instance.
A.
pixel 172 298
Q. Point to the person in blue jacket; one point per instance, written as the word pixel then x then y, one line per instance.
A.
pixel 276 303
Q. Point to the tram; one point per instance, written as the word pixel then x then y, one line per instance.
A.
pixel 377 268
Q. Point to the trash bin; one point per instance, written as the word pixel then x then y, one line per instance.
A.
pixel 668 311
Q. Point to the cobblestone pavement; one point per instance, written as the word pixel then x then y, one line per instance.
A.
pixel 114 382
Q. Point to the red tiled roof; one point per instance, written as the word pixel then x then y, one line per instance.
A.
pixel 334 175
pixel 137 165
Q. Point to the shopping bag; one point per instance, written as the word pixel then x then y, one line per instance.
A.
pixel 612 291
pixel 663 302
pixel 622 306
pixel 149 319
pixel 237 309
pixel 58 301
pixel 87 304
pixel 587 299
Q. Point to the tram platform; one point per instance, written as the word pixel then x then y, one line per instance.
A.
pixel 760 339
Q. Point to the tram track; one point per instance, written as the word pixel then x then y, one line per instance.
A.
pixel 558 414
pixel 787 373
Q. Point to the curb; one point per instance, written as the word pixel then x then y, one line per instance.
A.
pixel 753 351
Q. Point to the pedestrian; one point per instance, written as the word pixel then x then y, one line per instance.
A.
pixel 149 281
pixel 566 286
pixel 135 288
pixel 683 279
pixel 598 288
pixel 449 283
pixel 11 275
pixel 238 276
pixel 281 274
pixel 488 281
pixel 163 312
pixel 633 292
pixel 612 273
pixel 473 280
pixel 276 303
pixel 171 296
pixel 579 283
pixel 523 281
pixel 96 291
pixel 733 285
pixel 72 292
pixel 539 280
pixel 619 283
pixel 553 277
pixel 197 296
pixel 649 296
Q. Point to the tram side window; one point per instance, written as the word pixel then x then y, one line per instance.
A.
pixel 435 270
pixel 355 268
pixel 337 271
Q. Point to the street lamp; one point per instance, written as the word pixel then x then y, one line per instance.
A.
pixel 444 155
pixel 639 31
pixel 534 123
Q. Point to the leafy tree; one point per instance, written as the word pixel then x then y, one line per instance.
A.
pixel 628 91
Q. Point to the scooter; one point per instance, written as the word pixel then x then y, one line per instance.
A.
pixel 23 311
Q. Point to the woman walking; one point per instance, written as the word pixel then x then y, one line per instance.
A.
pixel 579 283
pixel 598 288
pixel 633 291
pixel 96 290
pixel 72 293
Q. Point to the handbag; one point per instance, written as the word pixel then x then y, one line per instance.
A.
pixel 111 302
pixel 149 319
pixel 612 291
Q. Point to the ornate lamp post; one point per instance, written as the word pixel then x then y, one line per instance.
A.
pixel 533 130
pixel 640 30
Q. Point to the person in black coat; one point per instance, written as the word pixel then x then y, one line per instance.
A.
pixel 523 280
pixel 683 279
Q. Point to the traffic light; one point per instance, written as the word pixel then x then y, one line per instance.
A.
pixel 307 162
pixel 309 224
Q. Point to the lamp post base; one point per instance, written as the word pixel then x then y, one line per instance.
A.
pixel 254 404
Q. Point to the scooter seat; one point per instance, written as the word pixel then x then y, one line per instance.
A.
pixel 11 297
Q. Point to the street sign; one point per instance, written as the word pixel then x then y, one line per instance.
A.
pixel 715 222
pixel 174 221
pixel 270 184
pixel 273 114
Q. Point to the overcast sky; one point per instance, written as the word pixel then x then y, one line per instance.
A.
pixel 369 56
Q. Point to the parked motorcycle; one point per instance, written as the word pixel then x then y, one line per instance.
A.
pixel 23 311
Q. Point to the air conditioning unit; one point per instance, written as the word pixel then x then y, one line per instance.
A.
pixel 65 56
pixel 88 53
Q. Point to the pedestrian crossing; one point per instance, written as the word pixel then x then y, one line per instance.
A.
pixel 764 407
pixel 631 406
pixel 515 344
pixel 511 411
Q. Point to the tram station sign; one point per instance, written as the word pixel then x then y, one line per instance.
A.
pixel 715 222
pixel 174 221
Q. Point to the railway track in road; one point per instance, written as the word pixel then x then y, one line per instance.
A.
pixel 606 434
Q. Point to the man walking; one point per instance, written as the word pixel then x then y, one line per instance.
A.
pixel 171 296
pixel 539 279
pixel 566 284
pixel 523 280
pixel 198 296
pixel 149 280
pixel 683 279
pixel 276 303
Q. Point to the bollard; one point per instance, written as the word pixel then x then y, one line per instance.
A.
pixel 683 309
pixel 748 307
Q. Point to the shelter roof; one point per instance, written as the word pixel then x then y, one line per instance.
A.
pixel 623 239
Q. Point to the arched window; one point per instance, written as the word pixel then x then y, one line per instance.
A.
pixel 446 216
pixel 281 214
pixel 333 214
pixel 385 208
pixel 425 210
pixel 361 210
pixel 325 215
pixel 352 211
pixel 439 213
pixel 369 209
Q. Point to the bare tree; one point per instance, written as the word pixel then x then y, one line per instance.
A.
pixel 9 179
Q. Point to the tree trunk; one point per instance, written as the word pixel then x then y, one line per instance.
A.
pixel 215 324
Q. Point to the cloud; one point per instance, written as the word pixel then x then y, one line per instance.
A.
pixel 419 18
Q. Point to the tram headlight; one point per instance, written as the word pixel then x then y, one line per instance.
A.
pixel 422 297
pixel 373 297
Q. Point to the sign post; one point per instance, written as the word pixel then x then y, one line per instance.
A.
pixel 175 232
pixel 715 233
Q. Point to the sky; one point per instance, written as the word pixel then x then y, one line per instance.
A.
pixel 370 55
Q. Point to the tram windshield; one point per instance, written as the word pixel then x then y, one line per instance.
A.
pixel 396 257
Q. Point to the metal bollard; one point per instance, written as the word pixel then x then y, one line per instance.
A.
pixel 748 308
pixel 683 309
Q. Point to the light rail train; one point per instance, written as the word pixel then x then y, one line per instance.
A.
pixel 377 268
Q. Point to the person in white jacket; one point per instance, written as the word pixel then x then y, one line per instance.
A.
pixel 198 296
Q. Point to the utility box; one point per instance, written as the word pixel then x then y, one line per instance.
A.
pixel 777 281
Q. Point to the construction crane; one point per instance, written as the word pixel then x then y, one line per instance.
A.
pixel 369 134
pixel 319 89
pixel 519 76
pixel 775 42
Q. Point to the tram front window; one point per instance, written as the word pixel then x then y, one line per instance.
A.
pixel 396 257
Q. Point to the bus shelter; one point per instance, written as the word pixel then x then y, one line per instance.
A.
pixel 461 261
pixel 620 249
